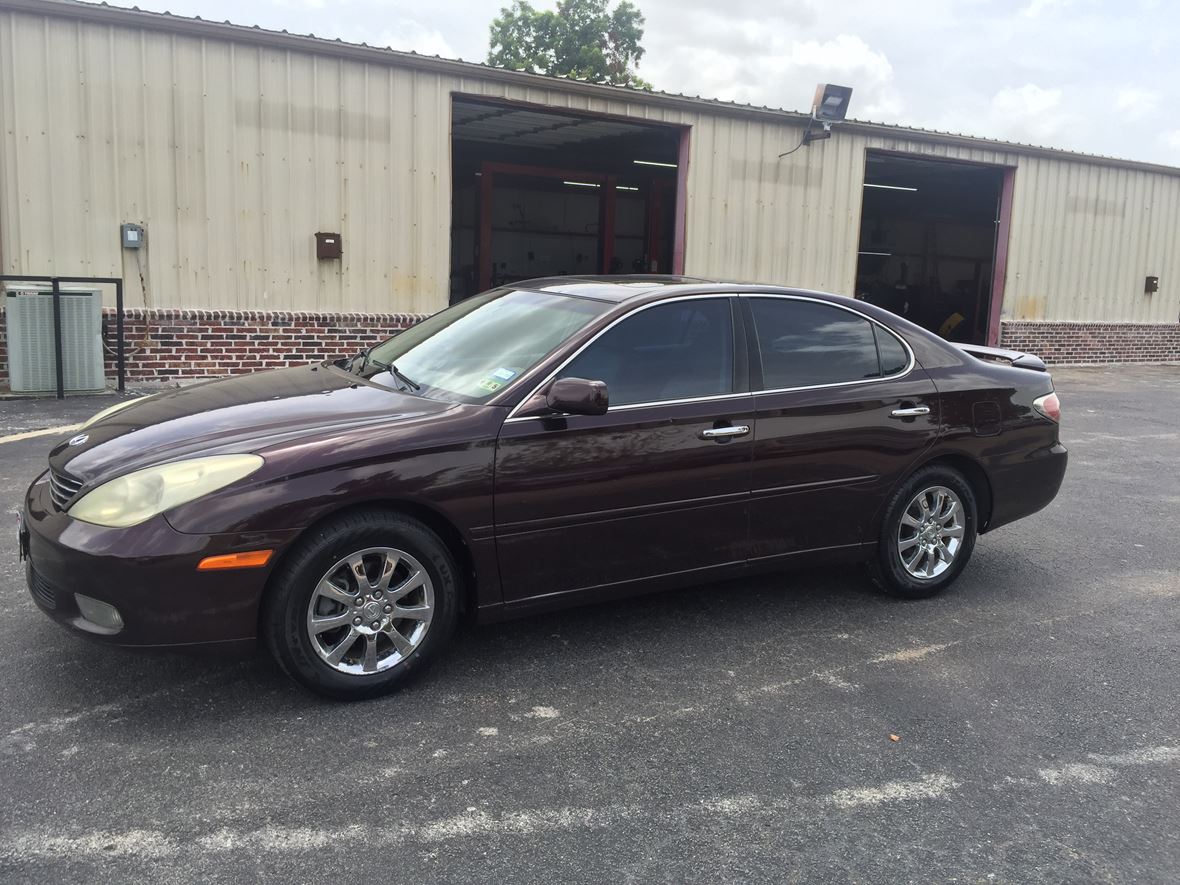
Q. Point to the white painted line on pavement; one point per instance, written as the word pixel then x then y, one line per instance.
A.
pixel 47 431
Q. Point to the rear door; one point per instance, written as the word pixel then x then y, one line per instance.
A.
pixel 843 412
pixel 658 485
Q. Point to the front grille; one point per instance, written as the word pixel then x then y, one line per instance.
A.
pixel 63 488
pixel 42 592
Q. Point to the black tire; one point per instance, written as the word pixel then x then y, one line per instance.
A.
pixel 284 621
pixel 887 569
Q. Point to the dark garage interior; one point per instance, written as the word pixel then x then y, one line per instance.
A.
pixel 928 242
pixel 540 193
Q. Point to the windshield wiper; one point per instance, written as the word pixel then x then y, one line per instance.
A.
pixel 367 359
pixel 392 370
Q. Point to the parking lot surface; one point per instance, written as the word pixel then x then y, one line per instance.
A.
pixel 734 732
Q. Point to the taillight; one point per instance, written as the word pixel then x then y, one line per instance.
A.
pixel 1049 406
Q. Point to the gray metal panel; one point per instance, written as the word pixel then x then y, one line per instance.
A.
pixel 32 363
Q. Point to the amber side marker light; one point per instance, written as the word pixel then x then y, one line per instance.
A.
pixel 250 559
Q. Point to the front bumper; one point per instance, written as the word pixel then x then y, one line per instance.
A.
pixel 148 573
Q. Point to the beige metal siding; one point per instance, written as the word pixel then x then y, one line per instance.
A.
pixel 234 155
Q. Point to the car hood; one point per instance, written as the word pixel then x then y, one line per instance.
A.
pixel 242 414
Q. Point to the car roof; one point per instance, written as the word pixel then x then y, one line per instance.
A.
pixel 619 289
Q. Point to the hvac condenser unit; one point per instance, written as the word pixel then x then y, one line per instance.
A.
pixel 32 364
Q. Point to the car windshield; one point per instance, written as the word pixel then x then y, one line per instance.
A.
pixel 470 351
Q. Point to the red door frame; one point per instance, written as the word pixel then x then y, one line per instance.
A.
pixel 681 202
pixel 1000 261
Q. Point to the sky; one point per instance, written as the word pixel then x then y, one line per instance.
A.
pixel 1096 76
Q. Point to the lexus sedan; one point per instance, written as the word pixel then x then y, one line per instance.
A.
pixel 545 444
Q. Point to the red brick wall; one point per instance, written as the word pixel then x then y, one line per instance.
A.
pixel 204 343
pixel 1073 343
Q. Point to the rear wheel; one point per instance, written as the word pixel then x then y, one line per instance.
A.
pixel 927 535
pixel 362 604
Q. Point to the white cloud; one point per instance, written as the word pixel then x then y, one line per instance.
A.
pixel 409 35
pixel 1036 7
pixel 1137 104
pixel 778 72
pixel 1029 113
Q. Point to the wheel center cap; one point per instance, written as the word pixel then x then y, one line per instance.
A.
pixel 372 610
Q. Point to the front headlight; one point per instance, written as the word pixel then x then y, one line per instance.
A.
pixel 139 496
pixel 110 410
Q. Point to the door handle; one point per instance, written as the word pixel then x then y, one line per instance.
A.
pixel 725 432
pixel 911 412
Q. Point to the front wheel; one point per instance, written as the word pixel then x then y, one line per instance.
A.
pixel 927 535
pixel 361 604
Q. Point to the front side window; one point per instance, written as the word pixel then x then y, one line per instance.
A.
pixel 679 350
pixel 471 351
pixel 803 344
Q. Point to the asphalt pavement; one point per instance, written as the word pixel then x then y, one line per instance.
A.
pixel 734 732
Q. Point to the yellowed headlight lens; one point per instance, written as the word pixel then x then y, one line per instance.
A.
pixel 137 497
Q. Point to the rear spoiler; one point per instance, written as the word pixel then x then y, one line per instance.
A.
pixel 998 354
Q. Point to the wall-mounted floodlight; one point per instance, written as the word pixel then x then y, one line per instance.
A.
pixel 831 103
pixel 829 106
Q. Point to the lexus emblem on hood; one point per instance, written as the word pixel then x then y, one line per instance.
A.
pixel 78 440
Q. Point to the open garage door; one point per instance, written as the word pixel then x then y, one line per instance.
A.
pixel 545 193
pixel 932 243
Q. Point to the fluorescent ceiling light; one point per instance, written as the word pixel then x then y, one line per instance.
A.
pixel 624 187
pixel 891 187
pixel 654 163
pixel 581 183
pixel 883 254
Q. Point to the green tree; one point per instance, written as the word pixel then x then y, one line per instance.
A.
pixel 583 39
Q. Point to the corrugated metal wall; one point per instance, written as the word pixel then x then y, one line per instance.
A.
pixel 234 155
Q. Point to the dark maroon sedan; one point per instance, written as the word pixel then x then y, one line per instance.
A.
pixel 557 442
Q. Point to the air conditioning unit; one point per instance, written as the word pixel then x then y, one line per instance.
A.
pixel 32 366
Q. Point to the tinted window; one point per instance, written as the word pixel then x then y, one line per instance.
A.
pixel 893 355
pixel 679 350
pixel 803 343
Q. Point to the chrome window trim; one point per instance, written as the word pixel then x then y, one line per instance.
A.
pixel 514 419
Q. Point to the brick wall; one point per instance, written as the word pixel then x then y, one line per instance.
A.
pixel 203 343
pixel 1074 343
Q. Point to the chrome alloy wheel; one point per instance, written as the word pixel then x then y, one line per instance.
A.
pixel 370 610
pixel 931 532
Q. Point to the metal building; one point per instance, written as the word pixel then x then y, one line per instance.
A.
pixel 234 147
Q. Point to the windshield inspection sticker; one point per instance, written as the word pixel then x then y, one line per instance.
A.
pixel 490 384
pixel 504 374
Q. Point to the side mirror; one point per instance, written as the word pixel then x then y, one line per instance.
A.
pixel 578 396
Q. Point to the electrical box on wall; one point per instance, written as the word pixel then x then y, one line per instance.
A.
pixel 1151 286
pixel 131 236
pixel 328 246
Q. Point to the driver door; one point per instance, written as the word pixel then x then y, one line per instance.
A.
pixel 658 486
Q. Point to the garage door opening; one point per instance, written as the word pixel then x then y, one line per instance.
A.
pixel 932 243
pixel 544 193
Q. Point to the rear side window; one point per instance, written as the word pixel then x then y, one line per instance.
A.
pixel 804 343
pixel 679 350
pixel 894 358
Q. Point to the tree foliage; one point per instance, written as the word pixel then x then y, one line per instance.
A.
pixel 583 39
